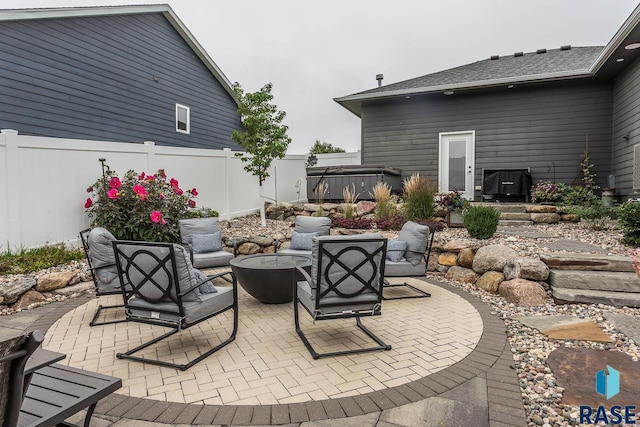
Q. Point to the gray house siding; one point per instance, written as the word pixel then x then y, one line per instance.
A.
pixel 626 122
pixel 95 78
pixel 541 127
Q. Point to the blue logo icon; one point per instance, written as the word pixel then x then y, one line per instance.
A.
pixel 608 382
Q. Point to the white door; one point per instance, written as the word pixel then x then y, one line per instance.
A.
pixel 456 165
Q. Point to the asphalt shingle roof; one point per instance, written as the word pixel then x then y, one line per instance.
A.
pixel 526 67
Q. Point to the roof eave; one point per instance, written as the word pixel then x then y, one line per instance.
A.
pixel 616 40
pixel 349 101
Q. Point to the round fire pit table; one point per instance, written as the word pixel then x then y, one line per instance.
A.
pixel 268 277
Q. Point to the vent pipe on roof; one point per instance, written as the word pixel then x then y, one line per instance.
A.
pixel 494 57
pixel 518 54
pixel 379 78
pixel 539 51
pixel 565 47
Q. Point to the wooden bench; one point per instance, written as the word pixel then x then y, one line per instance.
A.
pixel 57 392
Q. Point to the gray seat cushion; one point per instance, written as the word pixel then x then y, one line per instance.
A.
pixel 194 310
pixel 364 302
pixel 191 226
pixel 313 224
pixel 403 268
pixel 212 259
pixel 103 260
pixel 417 238
pixel 290 251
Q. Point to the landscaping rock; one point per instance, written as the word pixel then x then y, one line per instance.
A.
pixel 269 249
pixel 455 246
pixel 580 261
pixel 447 258
pixel 365 207
pixel 490 281
pixel 433 263
pixel 261 240
pixel 522 292
pixel 311 207
pixel 249 248
pixel 237 239
pixel 526 268
pixel 28 298
pixel 53 281
pixel 541 209
pixel 74 289
pixel 329 207
pixel 545 218
pixel 569 217
pixel 461 274
pixel 465 257
pixel 493 258
pixel 11 291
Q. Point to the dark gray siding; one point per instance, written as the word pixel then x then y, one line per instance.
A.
pixel 626 121
pixel 542 127
pixel 93 78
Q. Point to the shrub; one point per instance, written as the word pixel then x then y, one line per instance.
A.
pixel 629 219
pixel 594 213
pixel 578 196
pixel 547 192
pixel 382 195
pixel 27 261
pixel 419 194
pixel 201 213
pixel 481 222
pixel 349 195
pixel 391 223
pixel 140 207
pixel 353 223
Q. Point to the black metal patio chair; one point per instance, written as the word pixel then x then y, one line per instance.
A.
pixel 345 282
pixel 98 249
pixel 165 291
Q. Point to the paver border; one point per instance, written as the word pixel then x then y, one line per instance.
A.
pixel 491 360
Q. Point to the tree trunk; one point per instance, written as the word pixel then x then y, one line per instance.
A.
pixel 263 220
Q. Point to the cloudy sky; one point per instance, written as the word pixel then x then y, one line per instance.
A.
pixel 314 51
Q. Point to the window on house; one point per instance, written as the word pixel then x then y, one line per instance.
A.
pixel 183 119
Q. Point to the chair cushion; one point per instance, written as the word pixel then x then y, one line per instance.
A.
pixel 103 260
pixel 417 238
pixel 332 272
pixel 194 310
pixel 203 243
pixel 404 268
pixel 191 226
pixel 302 241
pixel 395 250
pixel 212 259
pixel 313 224
pixel 363 302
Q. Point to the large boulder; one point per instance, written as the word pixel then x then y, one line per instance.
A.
pixel 261 240
pixel 490 281
pixel 364 207
pixel 52 281
pixel 311 207
pixel 523 292
pixel 447 258
pixel 461 274
pixel 541 209
pixel 455 246
pixel 11 291
pixel 28 298
pixel 249 248
pixel 465 257
pixel 545 218
pixel 493 258
pixel 526 268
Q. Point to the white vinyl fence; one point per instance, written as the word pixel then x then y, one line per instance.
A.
pixel 43 181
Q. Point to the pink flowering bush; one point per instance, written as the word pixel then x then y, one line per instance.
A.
pixel 140 206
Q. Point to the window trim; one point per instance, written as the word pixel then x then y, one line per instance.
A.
pixel 178 108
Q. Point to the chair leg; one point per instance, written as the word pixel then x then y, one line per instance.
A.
pixel 185 366
pixel 381 345
pixel 420 292
pixel 94 321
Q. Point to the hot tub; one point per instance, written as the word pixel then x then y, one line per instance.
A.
pixel 363 177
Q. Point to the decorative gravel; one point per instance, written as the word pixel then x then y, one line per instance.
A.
pixel 541 395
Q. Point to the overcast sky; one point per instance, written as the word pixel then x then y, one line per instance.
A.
pixel 314 51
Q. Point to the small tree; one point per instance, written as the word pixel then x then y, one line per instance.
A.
pixel 324 148
pixel 265 137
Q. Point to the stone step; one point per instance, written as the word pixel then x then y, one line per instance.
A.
pixel 586 296
pixel 515 216
pixel 506 207
pixel 611 281
pixel 512 222
pixel 592 262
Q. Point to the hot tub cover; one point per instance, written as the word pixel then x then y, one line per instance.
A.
pixel 353 170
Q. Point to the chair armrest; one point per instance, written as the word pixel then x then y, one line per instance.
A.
pixel 208 279
pixel 305 275
pixel 235 248
pixel 276 245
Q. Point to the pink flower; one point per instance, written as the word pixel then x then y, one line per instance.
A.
pixel 161 195
pixel 115 182
pixel 192 203
pixel 113 193
pixel 150 178
pixel 140 191
pixel 162 174
pixel 88 203
pixel 89 189
pixel 173 182
pixel 141 176
pixel 178 191
pixel 194 192
pixel 156 216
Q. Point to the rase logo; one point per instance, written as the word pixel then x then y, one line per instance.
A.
pixel 608 385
